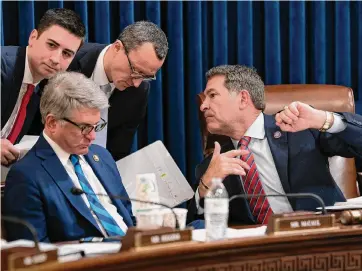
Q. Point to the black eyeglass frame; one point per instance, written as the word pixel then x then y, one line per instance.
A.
pixel 85 127
pixel 134 73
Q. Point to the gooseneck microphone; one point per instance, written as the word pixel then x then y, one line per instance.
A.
pixel 27 225
pixel 291 195
pixel 78 191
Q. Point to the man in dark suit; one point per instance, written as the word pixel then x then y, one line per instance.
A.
pixel 52 46
pixel 38 187
pixel 285 153
pixel 123 71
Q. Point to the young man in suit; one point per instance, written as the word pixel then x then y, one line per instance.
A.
pixel 285 153
pixel 123 70
pixel 52 47
pixel 39 186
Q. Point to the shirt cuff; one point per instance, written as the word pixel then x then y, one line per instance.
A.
pixel 200 210
pixel 338 124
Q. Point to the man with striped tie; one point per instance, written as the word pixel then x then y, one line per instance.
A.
pixel 52 47
pixel 285 153
pixel 39 186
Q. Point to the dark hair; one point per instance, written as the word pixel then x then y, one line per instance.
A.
pixel 64 18
pixel 141 32
pixel 239 77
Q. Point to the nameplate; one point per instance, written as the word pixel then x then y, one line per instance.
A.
pixel 19 258
pixel 292 223
pixel 137 238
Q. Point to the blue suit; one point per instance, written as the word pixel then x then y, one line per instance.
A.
pixel 38 190
pixel 12 73
pixel 301 160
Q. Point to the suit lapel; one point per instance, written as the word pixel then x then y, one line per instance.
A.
pixel 13 85
pixel 59 175
pixel 278 143
pixel 107 180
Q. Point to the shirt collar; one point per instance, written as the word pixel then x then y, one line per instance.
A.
pixel 256 130
pixel 62 154
pixel 99 75
pixel 28 77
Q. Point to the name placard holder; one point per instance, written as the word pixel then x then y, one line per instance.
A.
pixel 284 223
pixel 136 238
pixel 19 258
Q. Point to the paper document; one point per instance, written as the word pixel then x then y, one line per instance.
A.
pixel 26 143
pixel 353 203
pixel 200 235
pixel 173 188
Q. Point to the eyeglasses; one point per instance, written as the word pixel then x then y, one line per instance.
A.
pixel 86 129
pixel 137 75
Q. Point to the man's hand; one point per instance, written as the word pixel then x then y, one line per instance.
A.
pixel 222 165
pixel 299 116
pixel 9 154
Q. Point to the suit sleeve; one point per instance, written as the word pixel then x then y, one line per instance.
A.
pixel 192 213
pixel 347 143
pixel 22 199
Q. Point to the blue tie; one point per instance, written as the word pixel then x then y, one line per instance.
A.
pixel 104 217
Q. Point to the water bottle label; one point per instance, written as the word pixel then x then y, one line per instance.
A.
pixel 217 205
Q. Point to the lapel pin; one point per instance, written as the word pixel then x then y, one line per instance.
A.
pixel 277 134
pixel 95 157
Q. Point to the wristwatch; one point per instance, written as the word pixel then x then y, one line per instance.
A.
pixel 328 123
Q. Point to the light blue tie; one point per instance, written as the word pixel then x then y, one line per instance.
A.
pixel 104 217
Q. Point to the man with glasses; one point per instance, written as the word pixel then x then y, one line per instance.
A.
pixel 123 70
pixel 39 187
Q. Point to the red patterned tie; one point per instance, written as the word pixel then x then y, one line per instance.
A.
pixel 20 118
pixel 259 206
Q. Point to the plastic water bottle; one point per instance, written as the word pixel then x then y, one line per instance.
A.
pixel 216 211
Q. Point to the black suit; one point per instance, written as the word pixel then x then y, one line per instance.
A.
pixel 12 73
pixel 127 108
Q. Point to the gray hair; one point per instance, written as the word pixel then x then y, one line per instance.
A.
pixel 67 91
pixel 238 77
pixel 141 32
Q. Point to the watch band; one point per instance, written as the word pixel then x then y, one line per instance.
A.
pixel 328 123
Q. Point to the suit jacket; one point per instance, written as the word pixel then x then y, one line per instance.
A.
pixel 12 73
pixel 127 108
pixel 38 190
pixel 301 160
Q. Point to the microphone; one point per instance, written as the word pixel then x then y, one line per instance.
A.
pixel 289 195
pixel 77 191
pixel 27 225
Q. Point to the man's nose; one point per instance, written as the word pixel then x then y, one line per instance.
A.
pixel 91 136
pixel 204 106
pixel 137 82
pixel 55 57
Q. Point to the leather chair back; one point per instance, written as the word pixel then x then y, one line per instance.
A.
pixel 325 97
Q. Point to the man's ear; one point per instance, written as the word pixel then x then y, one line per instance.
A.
pixel 244 98
pixel 33 36
pixel 118 46
pixel 51 123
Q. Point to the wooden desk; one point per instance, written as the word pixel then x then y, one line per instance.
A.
pixel 340 249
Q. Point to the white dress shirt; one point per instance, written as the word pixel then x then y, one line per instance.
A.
pixel 264 161
pixel 93 181
pixel 99 76
pixel 27 79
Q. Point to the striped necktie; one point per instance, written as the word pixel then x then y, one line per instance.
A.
pixel 107 221
pixel 259 206
pixel 20 118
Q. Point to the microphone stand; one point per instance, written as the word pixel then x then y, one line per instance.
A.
pixel 26 224
pixel 291 195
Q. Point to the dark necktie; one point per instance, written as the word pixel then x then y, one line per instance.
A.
pixel 259 206
pixel 20 118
